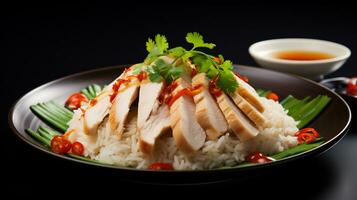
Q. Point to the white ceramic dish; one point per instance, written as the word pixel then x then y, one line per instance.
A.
pixel 263 54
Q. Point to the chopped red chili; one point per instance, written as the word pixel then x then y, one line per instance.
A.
pixel 213 88
pixel 193 72
pixel 257 157
pixel 161 166
pixel 273 96
pixel 307 135
pixel 75 100
pixel 351 88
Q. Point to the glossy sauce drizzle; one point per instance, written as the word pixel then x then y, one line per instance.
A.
pixel 167 95
pixel 141 76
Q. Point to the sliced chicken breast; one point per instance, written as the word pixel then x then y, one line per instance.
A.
pixel 94 115
pixel 208 114
pixel 157 124
pixel 241 126
pixel 249 94
pixel 121 106
pixel 187 132
pixel 148 95
pixel 250 111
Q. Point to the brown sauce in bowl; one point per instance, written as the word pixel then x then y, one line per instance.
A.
pixel 302 55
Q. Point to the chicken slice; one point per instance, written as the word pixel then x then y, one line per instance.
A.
pixel 250 111
pixel 153 118
pixel 157 124
pixel 121 106
pixel 188 134
pixel 241 126
pixel 95 114
pixel 208 114
pixel 148 95
pixel 249 94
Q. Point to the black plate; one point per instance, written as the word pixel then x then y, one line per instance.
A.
pixel 332 123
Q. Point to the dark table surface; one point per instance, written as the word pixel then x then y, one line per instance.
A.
pixel 46 44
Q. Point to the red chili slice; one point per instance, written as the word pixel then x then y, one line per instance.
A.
pixel 257 157
pixel 75 100
pixel 352 87
pixel 306 138
pixel 308 130
pixel 307 135
pixel 78 148
pixel 273 96
pixel 60 145
pixel 193 72
pixel 161 166
pixel 213 89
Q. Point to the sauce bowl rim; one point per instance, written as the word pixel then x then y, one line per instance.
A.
pixel 254 53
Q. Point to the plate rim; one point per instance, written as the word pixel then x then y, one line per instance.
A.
pixel 318 150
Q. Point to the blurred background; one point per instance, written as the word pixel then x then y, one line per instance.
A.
pixel 42 43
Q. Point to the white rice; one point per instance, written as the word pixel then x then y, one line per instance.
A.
pixel 226 151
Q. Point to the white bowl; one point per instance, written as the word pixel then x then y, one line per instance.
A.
pixel 262 52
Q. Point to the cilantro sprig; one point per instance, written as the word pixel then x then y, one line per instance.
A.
pixel 156 48
pixel 159 70
pixel 197 40
pixel 162 71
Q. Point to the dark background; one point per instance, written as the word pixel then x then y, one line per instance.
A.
pixel 40 44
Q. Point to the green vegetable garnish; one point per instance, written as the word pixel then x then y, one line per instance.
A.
pixel 197 40
pixel 159 70
pixel 297 149
pixel 91 91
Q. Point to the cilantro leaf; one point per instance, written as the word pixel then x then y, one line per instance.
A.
pixel 227 65
pixel 197 40
pixel 160 65
pixel 154 76
pixel 161 43
pixel 226 81
pixel 156 48
pixel 212 72
pixel 150 58
pixel 163 71
pixel 185 57
pixel 150 45
pixel 174 73
pixel 202 63
pixel 177 51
